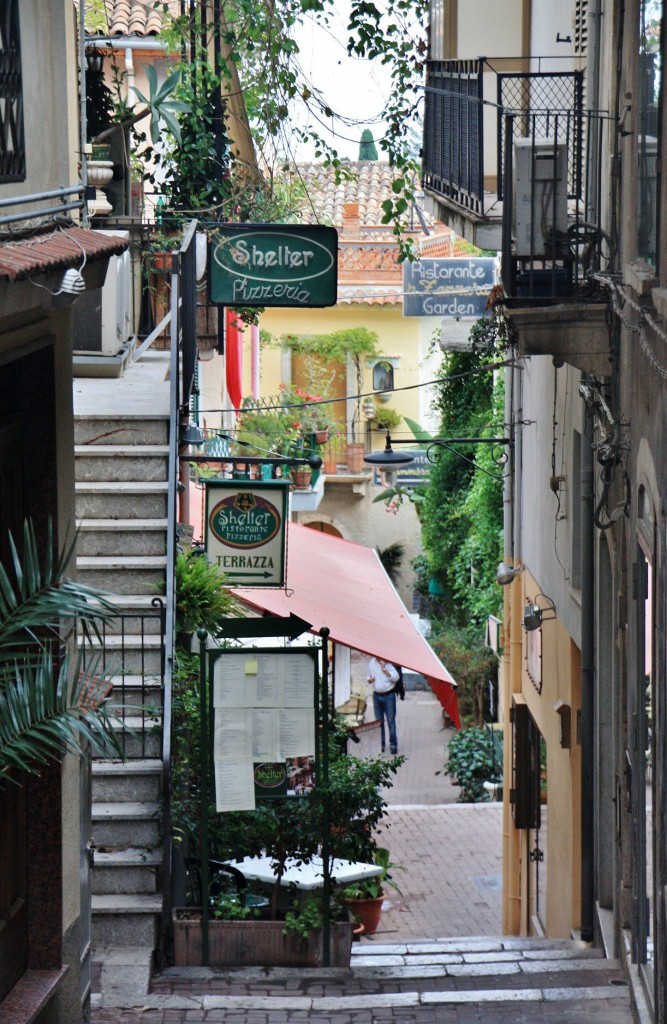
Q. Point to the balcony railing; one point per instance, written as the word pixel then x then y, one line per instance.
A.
pixel 553 240
pixel 545 187
pixel 459 116
pixel 342 453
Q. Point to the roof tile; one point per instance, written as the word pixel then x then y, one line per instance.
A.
pixel 59 249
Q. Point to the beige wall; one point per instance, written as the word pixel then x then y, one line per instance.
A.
pixel 560 835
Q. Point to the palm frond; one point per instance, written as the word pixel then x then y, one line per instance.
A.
pixel 36 598
pixel 42 717
pixel 49 705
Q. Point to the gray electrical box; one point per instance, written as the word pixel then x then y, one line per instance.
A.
pixel 540 197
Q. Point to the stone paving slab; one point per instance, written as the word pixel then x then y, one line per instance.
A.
pixel 438 957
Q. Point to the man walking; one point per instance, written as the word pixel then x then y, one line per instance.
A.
pixel 384 677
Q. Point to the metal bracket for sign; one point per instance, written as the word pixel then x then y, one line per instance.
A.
pixel 291 627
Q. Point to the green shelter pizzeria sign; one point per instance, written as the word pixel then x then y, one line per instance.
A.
pixel 273 265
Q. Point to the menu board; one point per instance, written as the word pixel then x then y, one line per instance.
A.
pixel 263 711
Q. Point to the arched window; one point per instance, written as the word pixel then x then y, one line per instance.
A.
pixel 383 377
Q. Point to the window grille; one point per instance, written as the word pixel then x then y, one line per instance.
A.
pixel 12 140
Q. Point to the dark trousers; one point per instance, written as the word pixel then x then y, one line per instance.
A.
pixel 384 706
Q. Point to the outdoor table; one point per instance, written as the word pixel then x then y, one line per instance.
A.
pixel 306 876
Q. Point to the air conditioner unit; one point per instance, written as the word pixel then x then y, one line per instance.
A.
pixel 540 198
pixel 102 317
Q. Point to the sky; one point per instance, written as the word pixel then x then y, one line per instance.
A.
pixel 356 89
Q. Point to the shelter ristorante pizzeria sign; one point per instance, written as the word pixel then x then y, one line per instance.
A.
pixel 274 265
pixel 245 533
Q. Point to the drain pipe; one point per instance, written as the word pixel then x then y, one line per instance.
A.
pixel 587 679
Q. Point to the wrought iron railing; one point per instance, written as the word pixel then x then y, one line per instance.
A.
pixel 547 182
pixel 342 451
pixel 454 132
pixel 458 115
pixel 553 239
pixel 129 648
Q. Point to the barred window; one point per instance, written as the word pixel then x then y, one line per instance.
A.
pixel 12 141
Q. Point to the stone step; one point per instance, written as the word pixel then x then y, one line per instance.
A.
pixel 123 574
pixel 126 536
pixel 128 653
pixel 123 872
pixel 117 782
pixel 126 920
pixel 111 462
pixel 119 825
pixel 141 736
pixel 121 499
pixel 104 430
pixel 137 691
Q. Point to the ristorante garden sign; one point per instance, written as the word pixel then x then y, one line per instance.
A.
pixel 273 265
pixel 245 531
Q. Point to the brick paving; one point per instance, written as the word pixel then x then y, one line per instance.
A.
pixel 438 956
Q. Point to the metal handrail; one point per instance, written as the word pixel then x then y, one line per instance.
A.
pixel 37 197
pixel 183 256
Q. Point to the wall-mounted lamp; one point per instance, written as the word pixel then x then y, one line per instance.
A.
pixel 534 614
pixel 564 712
pixel 94 59
pixel 192 435
pixel 72 283
pixel 506 574
pixel 388 461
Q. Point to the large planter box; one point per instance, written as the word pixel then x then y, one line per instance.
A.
pixel 256 944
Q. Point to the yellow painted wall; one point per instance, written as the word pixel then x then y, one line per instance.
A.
pixel 561 815
pixel 398 337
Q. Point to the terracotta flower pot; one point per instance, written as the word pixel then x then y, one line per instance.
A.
pixel 301 478
pixel 367 912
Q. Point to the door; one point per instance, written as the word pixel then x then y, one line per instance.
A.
pixel 13 799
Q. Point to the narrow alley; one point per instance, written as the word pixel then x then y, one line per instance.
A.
pixel 438 955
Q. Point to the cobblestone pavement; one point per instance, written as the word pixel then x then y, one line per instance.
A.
pixel 437 957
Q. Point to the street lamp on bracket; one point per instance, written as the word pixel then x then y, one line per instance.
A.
pixel 388 462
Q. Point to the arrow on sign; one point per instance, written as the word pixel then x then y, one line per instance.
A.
pixel 262 575
pixel 269 625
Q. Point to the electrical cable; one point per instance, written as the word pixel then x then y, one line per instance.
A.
pixel 369 394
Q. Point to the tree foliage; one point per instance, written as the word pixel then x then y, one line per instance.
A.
pixel 462 508
pixel 253 51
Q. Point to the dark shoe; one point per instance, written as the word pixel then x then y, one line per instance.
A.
pixel 382 750
pixel 394 750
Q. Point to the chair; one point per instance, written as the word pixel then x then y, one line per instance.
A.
pixel 222 878
pixel 224 882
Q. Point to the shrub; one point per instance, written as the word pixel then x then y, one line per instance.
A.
pixel 474 755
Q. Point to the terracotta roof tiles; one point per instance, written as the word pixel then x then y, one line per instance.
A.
pixel 56 250
pixel 127 18
pixel 367 183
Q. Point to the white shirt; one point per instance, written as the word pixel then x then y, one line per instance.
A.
pixel 383 679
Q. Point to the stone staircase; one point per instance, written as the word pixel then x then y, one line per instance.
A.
pixel 484 979
pixel 121 506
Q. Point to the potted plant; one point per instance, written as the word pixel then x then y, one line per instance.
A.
pixel 366 898
pixel 289 929
pixel 386 418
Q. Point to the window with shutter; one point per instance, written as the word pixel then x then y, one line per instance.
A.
pixel 12 141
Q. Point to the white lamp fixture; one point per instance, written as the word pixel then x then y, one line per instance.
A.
pixel 388 462
pixel 72 283
pixel 506 573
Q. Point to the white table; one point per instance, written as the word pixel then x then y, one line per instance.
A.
pixel 306 876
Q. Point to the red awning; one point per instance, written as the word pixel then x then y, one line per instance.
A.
pixel 341 585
